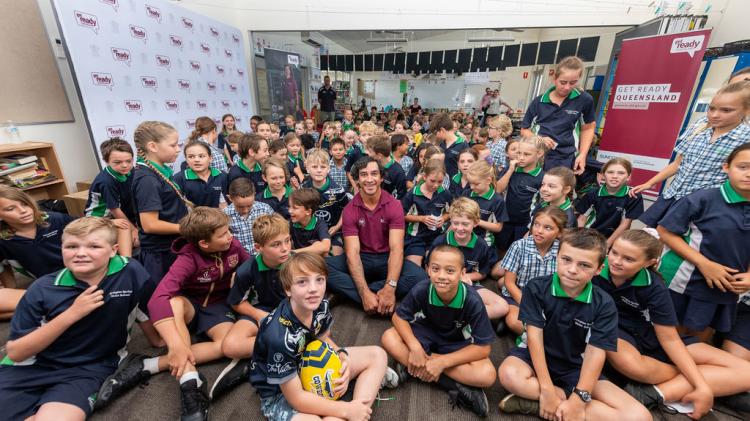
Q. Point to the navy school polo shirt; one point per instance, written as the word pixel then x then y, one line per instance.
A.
pixel 491 209
pixel 560 122
pixel 333 199
pixel 640 302
pixel 569 324
pixel 304 236
pixel 605 210
pixel 281 339
pixel 463 319
pixel 280 206
pixel 111 190
pixel 291 164
pixel 522 187
pixel 478 256
pixel 716 222
pixel 257 283
pixel 416 203
pixel 566 206
pixel 241 170
pixel 353 154
pixel 202 193
pixel 456 189
pixel 394 180
pixel 152 194
pixel 99 337
pixel 39 255
pixel 452 152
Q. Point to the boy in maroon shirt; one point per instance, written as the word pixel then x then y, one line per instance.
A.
pixel 191 298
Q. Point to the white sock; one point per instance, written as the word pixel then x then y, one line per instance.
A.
pixel 191 375
pixel 659 392
pixel 151 365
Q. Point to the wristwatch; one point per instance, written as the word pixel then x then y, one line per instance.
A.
pixel 392 283
pixel 584 395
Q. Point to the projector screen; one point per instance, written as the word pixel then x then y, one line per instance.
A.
pixel 135 61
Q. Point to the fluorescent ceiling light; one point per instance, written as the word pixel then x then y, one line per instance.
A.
pixel 387 40
pixel 491 39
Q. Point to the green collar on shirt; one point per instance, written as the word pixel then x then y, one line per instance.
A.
pixel 294 159
pixel 641 279
pixel 456 302
pixel 325 185
pixel 310 225
pixel 163 169
pixel 487 195
pixel 262 266
pixel 575 93
pixel 619 193
pixel 564 206
pixel 730 195
pixel 457 178
pixel 532 173
pixel 244 167
pixel 451 239
pixel 66 279
pixel 418 189
pixel 584 296
pixel 116 175
pixel 191 175
pixel 267 192
pixel 390 162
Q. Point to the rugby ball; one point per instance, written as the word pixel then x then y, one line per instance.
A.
pixel 320 367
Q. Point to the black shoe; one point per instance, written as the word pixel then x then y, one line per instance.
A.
pixel 471 398
pixel 403 373
pixel 233 374
pixel 512 404
pixel 646 394
pixel 739 402
pixel 194 400
pixel 129 374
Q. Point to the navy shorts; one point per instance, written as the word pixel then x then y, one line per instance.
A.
pixel 414 246
pixel 740 333
pixel 696 314
pixel 433 342
pixel 157 263
pixel 510 300
pixel 509 234
pixel 337 240
pixel 553 159
pixel 566 380
pixel 23 389
pixel 656 211
pixel 207 317
pixel 653 350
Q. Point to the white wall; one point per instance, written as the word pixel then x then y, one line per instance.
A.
pixel 729 20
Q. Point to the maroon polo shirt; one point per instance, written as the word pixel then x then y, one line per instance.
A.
pixel 371 226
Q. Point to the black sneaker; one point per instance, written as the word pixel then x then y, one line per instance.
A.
pixel 233 374
pixel 403 373
pixel 471 398
pixel 646 394
pixel 512 404
pixel 194 400
pixel 739 402
pixel 129 374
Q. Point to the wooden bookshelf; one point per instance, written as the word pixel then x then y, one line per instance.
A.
pixel 47 157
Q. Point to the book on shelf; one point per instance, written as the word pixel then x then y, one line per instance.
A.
pixel 18 158
pixel 24 173
pixel 39 176
pixel 13 168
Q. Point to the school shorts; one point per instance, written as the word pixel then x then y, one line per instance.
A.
pixel 23 389
pixel 510 300
pixel 740 333
pixel 696 314
pixel 337 240
pixel 656 211
pixel 157 263
pixel 207 317
pixel 414 246
pixel 554 159
pixel 431 341
pixel 510 233
pixel 566 378
pixel 277 408
pixel 651 348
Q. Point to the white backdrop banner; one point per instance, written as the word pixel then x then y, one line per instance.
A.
pixel 136 60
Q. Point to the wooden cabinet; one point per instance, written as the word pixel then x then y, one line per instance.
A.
pixel 47 157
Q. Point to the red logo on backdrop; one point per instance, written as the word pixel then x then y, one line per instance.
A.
pixel 235 38
pixel 205 48
pixel 202 104
pixel 172 105
pixel 103 79
pixel 195 65
pixel 190 124
pixel 233 87
pixel 228 53
pixel 187 23
pixel 153 12
pixel 183 84
pixel 133 106
pixel 163 61
pixel 113 3
pixel 149 82
pixel 225 103
pixel 87 21
pixel 214 31
pixel 121 54
pixel 244 105
pixel 138 32
pixel 240 72
pixel 211 86
pixel 176 41
pixel 116 131
pixel 220 69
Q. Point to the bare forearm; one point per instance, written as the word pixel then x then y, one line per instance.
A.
pixel 249 310
pixel 38 340
pixel 465 355
pixel 680 247
pixel 510 285
pixel 319 247
pixel 535 337
pixel 168 331
pixel 395 263
pixel 593 361
pixel 667 172
pixel 624 226
pixel 677 352
pixel 404 331
pixel 492 227
pixel 356 271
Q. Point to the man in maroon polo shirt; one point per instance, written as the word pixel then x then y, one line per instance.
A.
pixel 372 271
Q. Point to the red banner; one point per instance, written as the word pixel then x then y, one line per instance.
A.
pixel 653 83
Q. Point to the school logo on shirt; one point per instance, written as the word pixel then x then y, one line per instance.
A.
pixel 582 323
pixel 121 293
pixel 233 259
pixel 573 112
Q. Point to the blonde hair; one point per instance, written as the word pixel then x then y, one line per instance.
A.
pixel 150 131
pixel 433 166
pixel 267 227
pixel 743 88
pixel 302 262
pixel 273 162
pixel 317 156
pixel 569 63
pixel 502 124
pixel 18 195
pixel 481 170
pixel 203 125
pixel 88 224
pixel 463 206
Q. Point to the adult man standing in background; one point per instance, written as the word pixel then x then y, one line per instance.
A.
pixel 327 101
